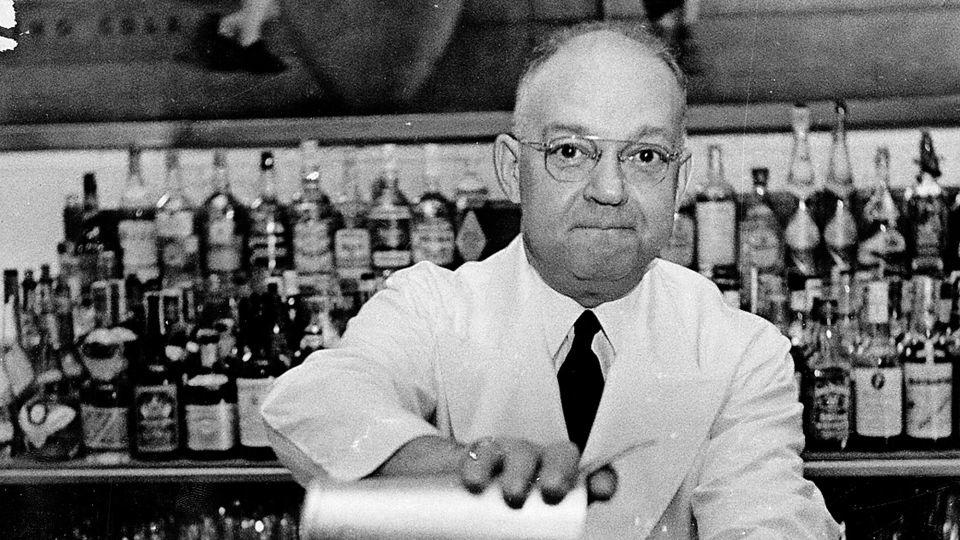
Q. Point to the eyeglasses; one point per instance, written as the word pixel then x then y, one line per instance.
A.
pixel 570 158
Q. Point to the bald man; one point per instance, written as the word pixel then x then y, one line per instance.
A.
pixel 574 352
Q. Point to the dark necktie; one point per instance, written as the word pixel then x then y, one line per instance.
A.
pixel 581 380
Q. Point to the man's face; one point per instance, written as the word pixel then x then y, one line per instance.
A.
pixel 592 240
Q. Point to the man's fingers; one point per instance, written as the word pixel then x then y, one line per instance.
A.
pixel 481 465
pixel 601 484
pixel 558 471
pixel 521 461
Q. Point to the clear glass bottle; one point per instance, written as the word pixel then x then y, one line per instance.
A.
pixel 431 232
pixel 926 209
pixel 177 242
pixel 269 246
pixel 224 225
pixel 882 247
pixel 389 217
pixel 827 390
pixel 927 370
pixel 840 230
pixel 801 178
pixel 470 199
pixel 136 226
pixel 716 210
pixel 877 375
pixel 92 239
pixel 761 240
pixel 681 248
pixel 352 246
pixel 314 223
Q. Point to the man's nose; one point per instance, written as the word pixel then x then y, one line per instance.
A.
pixel 607 182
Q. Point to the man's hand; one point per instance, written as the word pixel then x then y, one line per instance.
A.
pixel 518 464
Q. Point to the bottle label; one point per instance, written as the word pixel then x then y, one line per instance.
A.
pixel 352 249
pixel 138 239
pixel 391 242
pixel 155 414
pixel 313 252
pixel 718 227
pixel 927 240
pixel 928 394
pixel 433 240
pixel 829 411
pixel 174 224
pixel 104 428
pixel 250 393
pixel 470 238
pixel 878 396
pixel 211 427
pixel 680 247
pixel 759 243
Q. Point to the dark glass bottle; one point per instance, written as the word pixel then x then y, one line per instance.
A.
pixel 389 217
pixel 259 367
pixel 224 225
pixel 155 414
pixel 209 400
pixel 882 248
pixel 92 238
pixel 826 391
pixel 927 213
pixel 431 230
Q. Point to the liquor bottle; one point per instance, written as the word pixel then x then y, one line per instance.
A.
pixel 155 414
pixel 275 321
pixel 258 369
pixel 882 247
pixel 352 246
pixel 827 389
pixel 18 371
pixel 926 209
pixel 802 238
pixel 224 225
pixel 389 217
pixel 314 223
pixel 927 370
pixel 269 230
pixel 801 180
pixel 49 419
pixel 877 376
pixel 470 198
pixel 105 397
pixel 681 248
pixel 800 331
pixel 840 230
pixel 72 219
pixel 761 246
pixel 137 228
pixel 92 238
pixel 717 217
pixel 177 243
pixel 431 234
pixel 209 400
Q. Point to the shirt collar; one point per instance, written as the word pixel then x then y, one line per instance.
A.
pixel 618 318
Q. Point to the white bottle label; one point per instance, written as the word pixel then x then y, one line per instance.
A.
pixel 223 254
pixel 433 240
pixel 312 251
pixel 104 428
pixel 155 411
pixel 928 393
pixel 716 243
pixel 250 393
pixel 211 427
pixel 138 239
pixel 352 249
pixel 174 225
pixel 878 393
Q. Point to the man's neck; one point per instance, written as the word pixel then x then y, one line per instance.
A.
pixel 586 292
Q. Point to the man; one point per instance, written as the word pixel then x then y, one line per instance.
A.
pixel 574 338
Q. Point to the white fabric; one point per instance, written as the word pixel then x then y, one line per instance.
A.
pixel 698 412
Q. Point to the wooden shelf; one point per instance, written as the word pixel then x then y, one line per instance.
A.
pixel 89 471
pixel 906 463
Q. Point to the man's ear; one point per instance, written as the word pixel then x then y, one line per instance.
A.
pixel 506 163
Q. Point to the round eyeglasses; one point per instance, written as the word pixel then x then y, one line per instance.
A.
pixel 570 158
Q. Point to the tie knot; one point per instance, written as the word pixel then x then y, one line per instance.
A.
pixel 586 326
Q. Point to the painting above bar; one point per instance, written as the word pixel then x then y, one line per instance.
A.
pixel 123 61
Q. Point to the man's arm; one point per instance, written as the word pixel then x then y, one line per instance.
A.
pixel 751 484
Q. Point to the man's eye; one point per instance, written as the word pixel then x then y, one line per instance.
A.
pixel 568 151
pixel 646 156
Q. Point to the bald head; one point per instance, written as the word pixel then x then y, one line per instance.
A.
pixel 583 51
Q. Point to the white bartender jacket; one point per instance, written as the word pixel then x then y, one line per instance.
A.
pixel 698 413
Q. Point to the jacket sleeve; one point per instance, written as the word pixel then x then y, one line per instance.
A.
pixel 751 484
pixel 345 411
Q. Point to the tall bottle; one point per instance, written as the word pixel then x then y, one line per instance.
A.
pixel 105 398
pixel 470 199
pixel 209 400
pixel 155 414
pixel 389 217
pixel 92 239
pixel 761 245
pixel 802 236
pixel 877 375
pixel 840 230
pixel 716 210
pixel 926 209
pixel 258 369
pixel 224 225
pixel 177 242
pixel 314 223
pixel 352 242
pixel 269 230
pixel 136 227
pixel 432 237
pixel 681 248
pixel 882 247
pixel 827 388
pixel 927 370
